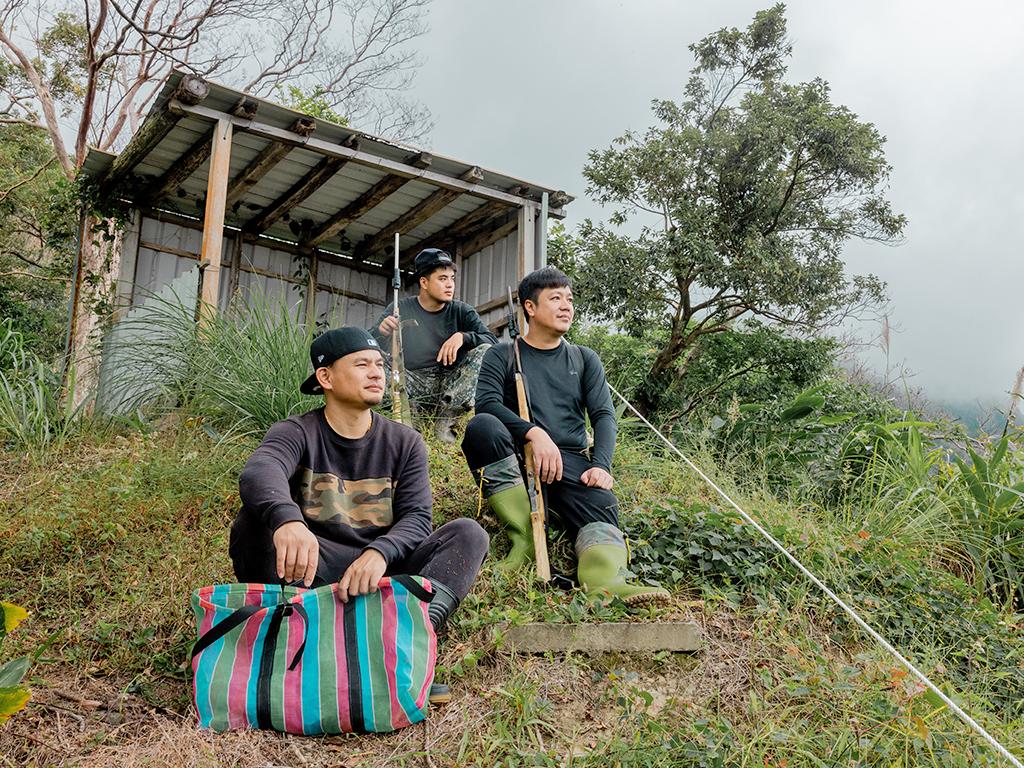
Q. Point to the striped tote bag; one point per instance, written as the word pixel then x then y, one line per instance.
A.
pixel 301 661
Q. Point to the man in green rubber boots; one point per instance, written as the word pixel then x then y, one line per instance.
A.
pixel 565 384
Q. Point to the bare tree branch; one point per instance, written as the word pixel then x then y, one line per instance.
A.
pixel 27 180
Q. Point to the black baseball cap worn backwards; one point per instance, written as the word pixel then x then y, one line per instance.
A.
pixel 429 259
pixel 334 345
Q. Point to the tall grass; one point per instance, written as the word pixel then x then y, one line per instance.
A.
pixel 34 417
pixel 239 371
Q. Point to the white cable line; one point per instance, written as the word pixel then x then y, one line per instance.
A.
pixel 821 585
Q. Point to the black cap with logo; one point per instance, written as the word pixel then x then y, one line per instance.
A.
pixel 334 345
pixel 430 259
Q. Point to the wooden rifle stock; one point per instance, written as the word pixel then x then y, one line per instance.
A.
pixel 537 511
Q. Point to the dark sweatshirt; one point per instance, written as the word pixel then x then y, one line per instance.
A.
pixel 371 492
pixel 560 397
pixel 424 332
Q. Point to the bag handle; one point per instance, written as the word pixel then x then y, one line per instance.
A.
pixel 413 587
pixel 242 615
pixel 221 628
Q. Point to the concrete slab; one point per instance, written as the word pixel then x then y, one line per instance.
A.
pixel 622 637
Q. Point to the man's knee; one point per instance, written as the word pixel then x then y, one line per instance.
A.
pixel 469 537
pixel 483 428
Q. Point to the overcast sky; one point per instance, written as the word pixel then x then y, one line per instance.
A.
pixel 528 87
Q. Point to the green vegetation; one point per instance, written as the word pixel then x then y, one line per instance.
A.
pixel 107 534
pixel 108 525
pixel 749 187
pixel 13 695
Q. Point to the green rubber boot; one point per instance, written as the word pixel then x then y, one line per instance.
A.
pixel 501 484
pixel 512 508
pixel 601 566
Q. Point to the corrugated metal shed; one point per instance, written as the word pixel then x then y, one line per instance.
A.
pixel 360 155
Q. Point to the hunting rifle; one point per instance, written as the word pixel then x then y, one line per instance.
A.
pixel 537 512
pixel 397 363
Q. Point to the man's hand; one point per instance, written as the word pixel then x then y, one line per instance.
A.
pixel 297 552
pixel 446 355
pixel 362 576
pixel 546 456
pixel 596 477
pixel 388 325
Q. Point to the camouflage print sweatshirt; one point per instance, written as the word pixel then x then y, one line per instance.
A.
pixel 371 492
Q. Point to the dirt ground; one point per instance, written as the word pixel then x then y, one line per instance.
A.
pixel 74 719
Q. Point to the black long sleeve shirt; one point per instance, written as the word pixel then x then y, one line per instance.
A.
pixel 371 492
pixel 424 332
pixel 561 397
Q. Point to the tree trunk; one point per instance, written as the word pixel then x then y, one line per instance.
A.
pixel 92 294
pixel 670 363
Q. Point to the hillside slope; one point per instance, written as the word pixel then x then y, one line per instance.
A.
pixel 105 541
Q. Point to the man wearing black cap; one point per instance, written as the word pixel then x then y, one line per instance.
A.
pixel 341 493
pixel 443 342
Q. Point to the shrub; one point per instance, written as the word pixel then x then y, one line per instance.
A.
pixel 241 370
pixel 676 543
pixel 33 415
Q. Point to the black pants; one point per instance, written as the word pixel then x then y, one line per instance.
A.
pixel 570 503
pixel 450 555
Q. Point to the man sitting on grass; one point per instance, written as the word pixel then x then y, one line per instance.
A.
pixel 443 343
pixel 341 493
pixel 565 384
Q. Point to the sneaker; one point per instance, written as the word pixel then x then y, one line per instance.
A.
pixel 440 694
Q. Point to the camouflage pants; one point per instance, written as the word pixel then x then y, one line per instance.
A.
pixel 442 392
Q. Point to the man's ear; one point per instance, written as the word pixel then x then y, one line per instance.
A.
pixel 323 375
pixel 423 282
pixel 527 306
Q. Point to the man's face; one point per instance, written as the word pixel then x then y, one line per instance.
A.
pixel 356 379
pixel 553 310
pixel 439 285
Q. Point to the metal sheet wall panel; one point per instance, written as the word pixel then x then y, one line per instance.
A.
pixel 156 268
pixel 486 273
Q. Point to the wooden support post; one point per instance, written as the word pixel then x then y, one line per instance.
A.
pixel 542 232
pixel 311 283
pixel 213 220
pixel 458 269
pixel 526 241
pixel 236 265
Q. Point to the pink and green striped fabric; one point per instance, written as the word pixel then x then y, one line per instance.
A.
pixel 301 661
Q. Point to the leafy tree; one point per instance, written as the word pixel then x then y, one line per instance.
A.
pixel 755 184
pixel 37 228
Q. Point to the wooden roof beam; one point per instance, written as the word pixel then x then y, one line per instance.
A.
pixel 365 203
pixel 383 164
pixel 319 175
pixel 467 226
pixel 498 229
pixel 176 175
pixel 267 158
pixel 411 219
pixel 190 91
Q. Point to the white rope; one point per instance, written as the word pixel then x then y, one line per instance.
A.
pixel 821 585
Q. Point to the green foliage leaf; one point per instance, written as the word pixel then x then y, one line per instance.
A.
pixel 13 671
pixel 12 699
pixel 13 615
